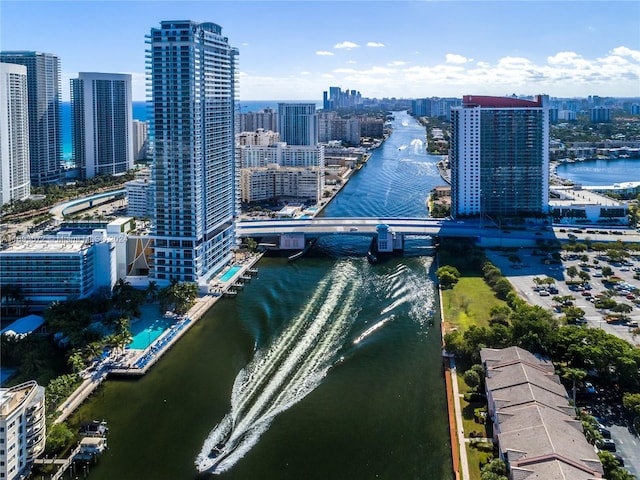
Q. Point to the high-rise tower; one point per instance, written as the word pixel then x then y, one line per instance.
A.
pixel 14 133
pixel 298 123
pixel 102 123
pixel 499 156
pixel 45 129
pixel 193 77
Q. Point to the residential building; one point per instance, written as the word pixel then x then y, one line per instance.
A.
pixel 59 267
pixel 45 128
pixel 259 137
pixel 22 428
pixel 102 123
pixel 499 156
pixel 336 99
pixel 140 195
pixel 193 76
pixel 534 424
pixel 281 171
pixel 567 115
pixel 282 154
pixel 266 119
pixel 600 115
pixel 15 183
pixel 273 182
pixel 140 140
pixel 298 123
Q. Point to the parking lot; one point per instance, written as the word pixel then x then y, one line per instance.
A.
pixel 604 405
pixel 521 275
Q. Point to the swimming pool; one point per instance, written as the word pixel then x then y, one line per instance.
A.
pixel 146 331
pixel 230 273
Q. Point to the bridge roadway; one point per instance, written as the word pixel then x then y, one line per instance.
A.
pixel 319 226
pixel 366 226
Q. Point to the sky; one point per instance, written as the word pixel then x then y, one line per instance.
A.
pixel 295 50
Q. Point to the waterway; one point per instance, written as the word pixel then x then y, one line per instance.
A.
pixel 601 172
pixel 324 368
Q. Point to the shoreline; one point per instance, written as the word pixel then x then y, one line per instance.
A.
pixel 156 349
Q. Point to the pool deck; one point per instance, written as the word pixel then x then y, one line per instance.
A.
pixel 138 362
pixel 130 363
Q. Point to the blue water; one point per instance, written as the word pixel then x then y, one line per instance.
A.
pixel 139 113
pixel 230 273
pixel 601 172
pixel 146 331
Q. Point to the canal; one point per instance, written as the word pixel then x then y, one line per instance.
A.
pixel 324 368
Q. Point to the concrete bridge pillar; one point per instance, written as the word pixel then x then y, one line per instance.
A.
pixel 292 241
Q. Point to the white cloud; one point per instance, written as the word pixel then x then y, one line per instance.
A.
pixel 396 63
pixel 627 52
pixel 454 58
pixel 323 53
pixel 375 44
pixel 348 45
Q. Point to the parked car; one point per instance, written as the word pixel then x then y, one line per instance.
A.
pixel 606 444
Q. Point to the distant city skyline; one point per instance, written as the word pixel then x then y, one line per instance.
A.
pixel 295 50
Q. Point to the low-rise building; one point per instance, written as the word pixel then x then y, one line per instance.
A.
pixel 22 428
pixel 59 267
pixel 534 425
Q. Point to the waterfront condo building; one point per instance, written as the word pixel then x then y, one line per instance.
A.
pixel 22 428
pixel 193 77
pixel 45 127
pixel 102 123
pixel 140 140
pixel 15 183
pixel 298 123
pixel 499 156
pixel 60 267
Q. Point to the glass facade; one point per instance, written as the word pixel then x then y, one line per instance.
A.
pixel 499 157
pixel 102 123
pixel 45 128
pixel 193 77
pixel 43 277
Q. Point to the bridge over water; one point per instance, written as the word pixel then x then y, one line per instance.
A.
pixel 293 234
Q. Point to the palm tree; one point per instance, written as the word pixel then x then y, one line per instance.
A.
pixel 574 375
pixel 152 291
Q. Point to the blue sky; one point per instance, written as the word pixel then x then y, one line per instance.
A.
pixel 295 50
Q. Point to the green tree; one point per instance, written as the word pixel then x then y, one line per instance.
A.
pixel 59 435
pixel 76 361
pixel 631 401
pixel 584 276
pixel 152 291
pixel 573 375
pixel 447 276
pixel 606 271
pixel 494 470
pixel 502 288
pixel 471 378
pixel 623 308
pixel 572 271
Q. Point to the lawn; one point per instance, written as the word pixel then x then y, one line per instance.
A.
pixel 477 456
pixel 468 303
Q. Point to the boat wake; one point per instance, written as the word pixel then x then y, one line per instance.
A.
pixel 285 371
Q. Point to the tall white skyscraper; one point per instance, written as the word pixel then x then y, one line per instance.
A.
pixel 298 123
pixel 15 183
pixel 193 77
pixel 102 123
pixel 45 127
